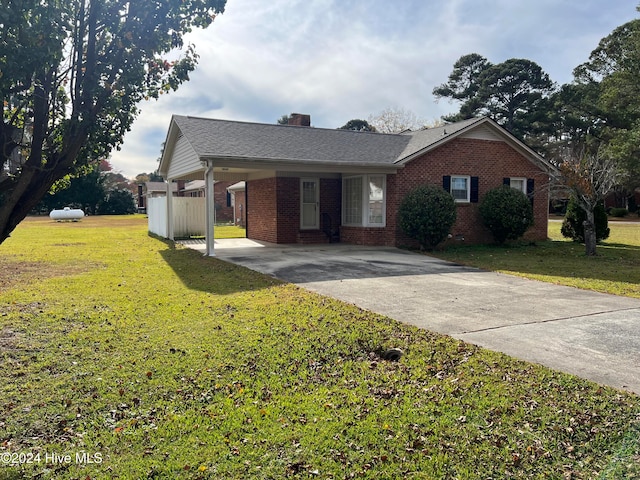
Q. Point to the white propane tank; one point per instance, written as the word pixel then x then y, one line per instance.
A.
pixel 73 214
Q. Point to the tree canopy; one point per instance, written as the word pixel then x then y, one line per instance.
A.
pixel 358 125
pixel 73 73
pixel 513 92
pixel 607 96
pixel 395 120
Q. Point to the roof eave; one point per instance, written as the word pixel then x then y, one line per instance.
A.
pixel 287 163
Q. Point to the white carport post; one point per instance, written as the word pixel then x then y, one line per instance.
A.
pixel 169 209
pixel 210 208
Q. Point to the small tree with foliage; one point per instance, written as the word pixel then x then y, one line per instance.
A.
pixel 589 178
pixel 573 223
pixel 427 214
pixel 506 212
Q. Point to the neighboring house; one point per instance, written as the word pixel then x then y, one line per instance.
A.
pixel 158 189
pixel 308 184
pixel 194 188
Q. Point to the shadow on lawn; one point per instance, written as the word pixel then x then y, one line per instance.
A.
pixel 621 246
pixel 211 275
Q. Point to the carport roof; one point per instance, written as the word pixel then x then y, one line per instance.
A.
pixel 266 143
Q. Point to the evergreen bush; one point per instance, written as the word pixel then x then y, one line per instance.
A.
pixel 427 214
pixel 619 212
pixel 573 224
pixel 506 212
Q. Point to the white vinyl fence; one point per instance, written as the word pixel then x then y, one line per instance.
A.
pixel 188 216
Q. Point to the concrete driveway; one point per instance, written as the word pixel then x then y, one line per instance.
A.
pixel 592 335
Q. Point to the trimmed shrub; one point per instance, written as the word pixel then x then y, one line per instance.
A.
pixel 427 214
pixel 619 212
pixel 573 224
pixel 506 212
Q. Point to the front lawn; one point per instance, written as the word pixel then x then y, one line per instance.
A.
pixel 140 360
pixel 616 268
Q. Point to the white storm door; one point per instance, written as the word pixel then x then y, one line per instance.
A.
pixel 309 199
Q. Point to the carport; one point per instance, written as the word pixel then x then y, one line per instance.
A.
pixel 292 174
pixel 592 335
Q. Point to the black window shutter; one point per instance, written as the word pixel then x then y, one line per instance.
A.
pixel 446 183
pixel 228 199
pixel 530 189
pixel 506 181
pixel 473 197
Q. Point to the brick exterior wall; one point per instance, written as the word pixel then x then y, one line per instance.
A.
pixel 288 201
pixel 366 236
pixel 261 210
pixel 224 212
pixel 273 209
pixel 274 203
pixel 240 208
pixel 490 161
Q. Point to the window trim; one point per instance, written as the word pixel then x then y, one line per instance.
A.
pixel 344 203
pixel 468 183
pixel 365 200
pixel 316 224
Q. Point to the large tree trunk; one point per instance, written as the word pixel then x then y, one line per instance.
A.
pixel 20 197
pixel 590 233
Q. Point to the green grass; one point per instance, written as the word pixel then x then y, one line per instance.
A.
pixel 229 231
pixel 615 269
pixel 225 231
pixel 169 364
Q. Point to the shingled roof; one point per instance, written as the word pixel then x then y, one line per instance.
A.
pixel 211 138
pixel 234 140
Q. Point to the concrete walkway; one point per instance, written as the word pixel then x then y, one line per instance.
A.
pixel 593 335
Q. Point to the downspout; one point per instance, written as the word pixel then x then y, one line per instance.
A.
pixel 210 208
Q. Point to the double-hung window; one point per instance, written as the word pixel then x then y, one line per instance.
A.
pixel 460 188
pixel 363 200
pixel 463 188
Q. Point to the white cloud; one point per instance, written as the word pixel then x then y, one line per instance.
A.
pixel 339 60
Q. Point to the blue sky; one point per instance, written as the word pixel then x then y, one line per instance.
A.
pixel 342 59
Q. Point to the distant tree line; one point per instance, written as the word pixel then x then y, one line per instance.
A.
pixel 97 190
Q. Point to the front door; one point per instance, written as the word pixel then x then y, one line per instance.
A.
pixel 310 199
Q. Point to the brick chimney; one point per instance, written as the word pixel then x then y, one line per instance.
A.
pixel 299 120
